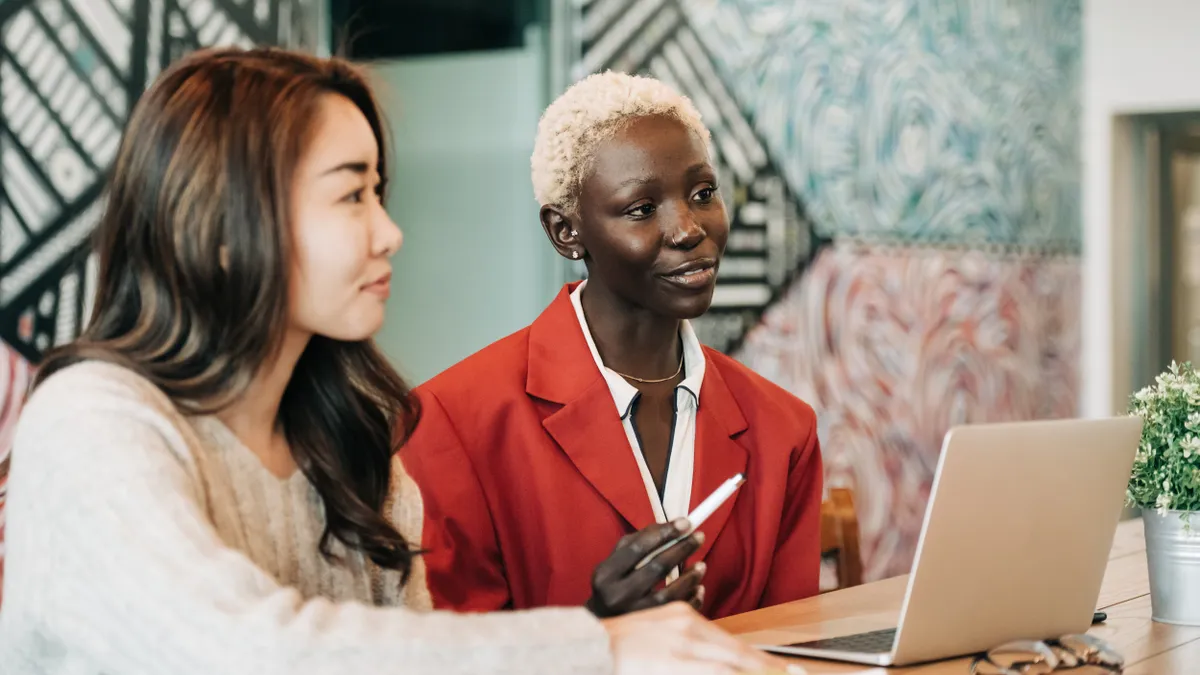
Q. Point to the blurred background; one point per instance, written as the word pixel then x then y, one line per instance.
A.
pixel 945 211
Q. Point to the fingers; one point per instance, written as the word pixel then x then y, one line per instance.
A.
pixel 632 548
pixel 777 665
pixel 737 656
pixel 697 599
pixel 695 644
pixel 657 569
pixel 719 654
pixel 711 643
pixel 683 589
pixel 618 586
pixel 623 541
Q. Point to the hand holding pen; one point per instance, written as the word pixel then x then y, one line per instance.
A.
pixel 622 584
pixel 626 580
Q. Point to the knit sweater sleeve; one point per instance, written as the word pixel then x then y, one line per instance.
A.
pixel 111 556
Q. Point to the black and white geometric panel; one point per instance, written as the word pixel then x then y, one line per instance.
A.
pixel 70 70
pixel 770 239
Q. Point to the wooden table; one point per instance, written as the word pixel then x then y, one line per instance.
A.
pixel 1150 648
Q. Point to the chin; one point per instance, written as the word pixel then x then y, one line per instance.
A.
pixel 354 329
pixel 349 336
pixel 690 306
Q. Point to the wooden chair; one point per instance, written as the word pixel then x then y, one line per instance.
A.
pixel 839 536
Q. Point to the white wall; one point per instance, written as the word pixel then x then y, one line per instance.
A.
pixel 1139 57
pixel 475 264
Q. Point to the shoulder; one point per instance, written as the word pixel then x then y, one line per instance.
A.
pixel 759 398
pixel 96 411
pixel 471 401
pixel 500 367
pixel 92 385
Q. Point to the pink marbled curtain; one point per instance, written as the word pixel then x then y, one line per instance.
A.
pixel 895 344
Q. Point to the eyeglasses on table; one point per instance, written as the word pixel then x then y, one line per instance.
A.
pixel 1077 654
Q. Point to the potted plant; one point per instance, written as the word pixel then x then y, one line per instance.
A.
pixel 1165 485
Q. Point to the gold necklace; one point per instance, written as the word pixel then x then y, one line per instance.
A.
pixel 638 379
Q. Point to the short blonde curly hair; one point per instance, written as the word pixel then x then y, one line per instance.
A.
pixel 589 112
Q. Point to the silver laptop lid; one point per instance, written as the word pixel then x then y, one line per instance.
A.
pixel 1017 533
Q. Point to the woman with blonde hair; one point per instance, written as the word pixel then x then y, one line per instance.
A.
pixel 204 481
pixel 605 422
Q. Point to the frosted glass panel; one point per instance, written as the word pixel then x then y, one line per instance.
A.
pixel 475 264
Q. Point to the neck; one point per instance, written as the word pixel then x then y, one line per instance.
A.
pixel 631 340
pixel 254 416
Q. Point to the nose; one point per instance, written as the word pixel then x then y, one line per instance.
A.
pixel 684 232
pixel 386 237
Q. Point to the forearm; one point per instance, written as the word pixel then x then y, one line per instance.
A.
pixel 112 560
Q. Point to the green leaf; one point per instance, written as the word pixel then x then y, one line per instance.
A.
pixel 1166 470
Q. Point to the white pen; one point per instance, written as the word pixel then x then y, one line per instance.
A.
pixel 698 515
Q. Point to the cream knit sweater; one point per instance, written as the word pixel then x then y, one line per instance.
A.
pixel 144 542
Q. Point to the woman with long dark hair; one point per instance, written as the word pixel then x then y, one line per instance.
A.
pixel 204 481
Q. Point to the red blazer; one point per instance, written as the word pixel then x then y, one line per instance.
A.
pixel 528 480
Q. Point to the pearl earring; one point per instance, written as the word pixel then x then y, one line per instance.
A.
pixel 574 233
pixel 575 254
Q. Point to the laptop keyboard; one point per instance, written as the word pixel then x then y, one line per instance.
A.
pixel 874 642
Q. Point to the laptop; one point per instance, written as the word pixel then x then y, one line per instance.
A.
pixel 1015 543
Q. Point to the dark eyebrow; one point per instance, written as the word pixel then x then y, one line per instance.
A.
pixel 692 170
pixel 642 180
pixel 353 167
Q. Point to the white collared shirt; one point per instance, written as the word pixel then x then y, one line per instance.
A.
pixel 677 489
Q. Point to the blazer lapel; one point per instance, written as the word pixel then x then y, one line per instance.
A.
pixel 587 428
pixel 719 455
pixel 591 434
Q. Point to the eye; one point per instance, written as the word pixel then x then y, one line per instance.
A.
pixel 641 211
pixel 705 194
pixel 359 195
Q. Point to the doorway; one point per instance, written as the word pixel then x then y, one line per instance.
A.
pixel 1164 244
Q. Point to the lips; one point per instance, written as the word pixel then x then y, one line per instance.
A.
pixel 697 273
pixel 381 286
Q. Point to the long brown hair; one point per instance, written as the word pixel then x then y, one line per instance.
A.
pixel 194 260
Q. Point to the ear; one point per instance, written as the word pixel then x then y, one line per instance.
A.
pixel 563 232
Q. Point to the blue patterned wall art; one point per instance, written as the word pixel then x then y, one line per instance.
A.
pixel 770 240
pixel 943 132
pixel 70 71
pixel 950 121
